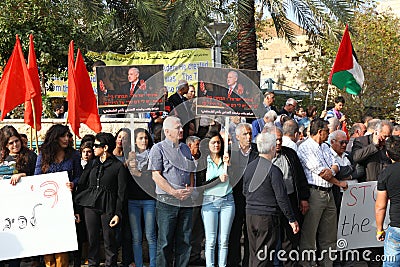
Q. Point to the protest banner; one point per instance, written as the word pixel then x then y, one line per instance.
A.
pixel 36 216
pixel 130 89
pixel 229 92
pixel 357 224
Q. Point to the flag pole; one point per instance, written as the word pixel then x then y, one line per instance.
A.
pixel 226 141
pixel 326 98
pixel 34 124
pixel 31 138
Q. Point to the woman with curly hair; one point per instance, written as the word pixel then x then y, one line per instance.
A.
pixel 57 155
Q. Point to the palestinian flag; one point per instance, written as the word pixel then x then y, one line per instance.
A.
pixel 346 73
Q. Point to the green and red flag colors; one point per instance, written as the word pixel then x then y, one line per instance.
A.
pixel 346 73
pixel 15 85
pixel 82 104
pixel 37 100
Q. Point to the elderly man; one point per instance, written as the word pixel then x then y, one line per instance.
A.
pixel 266 199
pixel 258 125
pixel 358 129
pixel 173 172
pixel 298 192
pixel 242 153
pixel 182 108
pixel 289 108
pixel 349 171
pixel 370 152
pixel 320 168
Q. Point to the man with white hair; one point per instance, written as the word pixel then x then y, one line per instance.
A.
pixel 258 125
pixel 370 151
pixel 349 171
pixel 266 199
pixel 289 108
pixel 173 169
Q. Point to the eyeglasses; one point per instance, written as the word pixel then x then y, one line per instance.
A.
pixel 98 145
pixel 342 142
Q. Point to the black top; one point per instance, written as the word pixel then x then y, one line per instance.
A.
pixel 102 186
pixel 265 190
pixel 140 188
pixel 389 180
pixel 29 166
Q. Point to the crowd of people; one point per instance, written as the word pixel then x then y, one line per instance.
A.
pixel 276 182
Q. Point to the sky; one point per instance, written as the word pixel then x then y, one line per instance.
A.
pixel 394 4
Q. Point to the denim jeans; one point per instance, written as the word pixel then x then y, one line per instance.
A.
pixel 392 247
pixel 218 214
pixel 135 210
pixel 174 230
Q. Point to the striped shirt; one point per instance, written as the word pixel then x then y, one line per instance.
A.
pixel 314 158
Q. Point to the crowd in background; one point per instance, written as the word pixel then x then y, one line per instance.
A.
pixel 278 183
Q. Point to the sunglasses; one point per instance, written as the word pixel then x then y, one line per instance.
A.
pixel 13 142
pixel 98 145
pixel 343 142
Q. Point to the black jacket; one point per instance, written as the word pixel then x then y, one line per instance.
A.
pixel 368 155
pixel 299 178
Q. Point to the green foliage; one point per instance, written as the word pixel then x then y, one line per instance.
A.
pixel 376 40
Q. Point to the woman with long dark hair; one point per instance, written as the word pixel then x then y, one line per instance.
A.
pixel 218 209
pixel 16 161
pixel 18 157
pixel 101 193
pixel 141 205
pixel 57 155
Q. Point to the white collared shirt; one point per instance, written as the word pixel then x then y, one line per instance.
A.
pixel 314 158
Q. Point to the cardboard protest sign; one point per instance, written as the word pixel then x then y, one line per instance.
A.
pixel 357 224
pixel 36 216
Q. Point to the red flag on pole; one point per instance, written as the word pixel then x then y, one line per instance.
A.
pixel 37 100
pixel 72 97
pixel 82 105
pixel 88 112
pixel 15 85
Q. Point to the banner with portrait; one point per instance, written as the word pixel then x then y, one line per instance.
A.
pixel 228 92
pixel 130 89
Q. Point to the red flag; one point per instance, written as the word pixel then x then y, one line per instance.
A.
pixel 37 100
pixel 82 104
pixel 15 85
pixel 88 112
pixel 72 97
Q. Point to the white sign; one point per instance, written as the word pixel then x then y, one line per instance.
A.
pixel 36 216
pixel 357 224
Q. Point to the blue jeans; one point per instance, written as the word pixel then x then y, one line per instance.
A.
pixel 135 209
pixel 392 247
pixel 218 214
pixel 174 230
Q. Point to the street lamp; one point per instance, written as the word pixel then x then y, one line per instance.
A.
pixel 217 31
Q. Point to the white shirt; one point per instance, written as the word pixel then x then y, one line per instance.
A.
pixel 314 158
pixel 286 141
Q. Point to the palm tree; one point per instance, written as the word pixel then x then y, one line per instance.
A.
pixel 312 16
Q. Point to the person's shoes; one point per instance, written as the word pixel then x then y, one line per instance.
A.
pixel 198 262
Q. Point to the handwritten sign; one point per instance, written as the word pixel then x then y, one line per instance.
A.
pixel 357 224
pixel 36 216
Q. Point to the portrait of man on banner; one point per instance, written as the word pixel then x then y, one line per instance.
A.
pixel 236 92
pixel 125 89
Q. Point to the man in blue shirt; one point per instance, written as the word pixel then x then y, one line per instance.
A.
pixel 173 172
